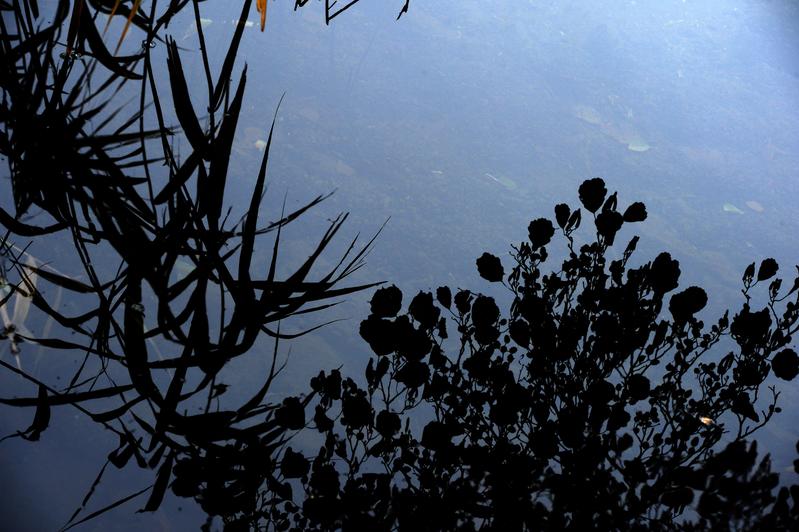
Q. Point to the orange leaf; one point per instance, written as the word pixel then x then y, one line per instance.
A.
pixel 111 16
pixel 127 24
pixel 260 5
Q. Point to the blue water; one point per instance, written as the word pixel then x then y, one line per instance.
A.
pixel 462 122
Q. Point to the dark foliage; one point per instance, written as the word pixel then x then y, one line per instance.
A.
pixel 121 193
pixel 588 403
pixel 596 401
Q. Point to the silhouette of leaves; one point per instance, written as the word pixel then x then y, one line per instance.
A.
pixel 786 364
pixel 41 419
pixel 294 464
pixel 608 224
pixel 636 212
pixel 120 194
pixel 581 394
pixel 490 268
pixel 291 414
pixel 687 303
pixel 562 214
pixel 664 274
pixel 423 310
pixel 579 406
pixel 768 269
pixel 444 296
pixel 540 232
pixel 751 327
pixel 592 194
pixel 386 302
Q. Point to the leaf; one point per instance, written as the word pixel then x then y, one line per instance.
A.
pixel 540 232
pixel 786 364
pixel 485 312
pixel 685 304
pixel 423 310
pixel 227 66
pixel 100 52
pixel 751 327
pixel 249 231
pixel 463 301
pixel 356 411
pixel 57 343
pixel 795 286
pixel 562 212
pixel 122 454
pixel 635 213
pixel 67 398
pixel 135 347
pixel 413 374
pixel 490 268
pixel 726 363
pixel 592 193
pixel 677 498
pixel 742 406
pixel 404 9
pixel 574 221
pixel 639 387
pixel 132 14
pixel 628 251
pixel 89 494
pixel 388 423
pixel 105 509
pixel 41 419
pixel 217 175
pixel 664 274
pixel 444 296
pixel 179 178
pixel 22 229
pixel 294 464
pixel 768 268
pixel 386 302
pixel 61 280
pixel 260 6
pixel 291 414
pixel 182 100
pixel 610 204
pixel 608 224
pixel 322 422
pixel 749 274
pixel 436 436
pixel 111 16
pixel 161 483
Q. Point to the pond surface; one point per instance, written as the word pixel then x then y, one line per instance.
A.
pixel 463 122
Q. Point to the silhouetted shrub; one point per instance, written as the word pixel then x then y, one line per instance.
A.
pixel 585 405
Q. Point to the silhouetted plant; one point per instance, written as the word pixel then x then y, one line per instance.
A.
pixel 587 404
pixel 73 153
pixel 596 401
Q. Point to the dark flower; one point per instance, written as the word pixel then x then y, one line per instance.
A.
pixel 592 193
pixel 786 364
pixel 540 232
pixel 386 302
pixel 490 268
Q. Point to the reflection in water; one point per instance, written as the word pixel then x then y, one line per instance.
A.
pixel 460 123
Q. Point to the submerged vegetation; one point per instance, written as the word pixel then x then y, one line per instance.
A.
pixel 594 400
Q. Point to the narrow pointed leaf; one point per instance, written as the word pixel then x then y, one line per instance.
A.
pixel 161 483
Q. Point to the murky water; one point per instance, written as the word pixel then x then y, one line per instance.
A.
pixel 462 122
